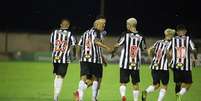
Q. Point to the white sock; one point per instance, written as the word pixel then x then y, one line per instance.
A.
pixel 94 89
pixel 122 90
pixel 182 91
pixel 57 86
pixel 98 93
pixel 161 94
pixel 135 94
pixel 81 88
pixel 150 89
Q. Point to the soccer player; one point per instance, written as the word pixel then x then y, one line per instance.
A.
pixel 62 40
pixel 132 44
pixel 182 46
pixel 159 65
pixel 91 59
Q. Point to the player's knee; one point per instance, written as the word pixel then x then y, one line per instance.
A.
pixel 89 76
pixel 94 78
pixel 123 84
pixel 83 77
pixel 135 86
pixel 58 76
pixel 164 87
pixel 89 82
pixel 157 86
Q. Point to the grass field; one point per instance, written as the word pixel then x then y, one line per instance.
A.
pixel 33 81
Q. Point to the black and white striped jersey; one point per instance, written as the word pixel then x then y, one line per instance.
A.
pixel 160 61
pixel 132 45
pixel 181 47
pixel 61 41
pixel 90 52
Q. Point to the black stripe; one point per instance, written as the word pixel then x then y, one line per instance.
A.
pixel 124 50
pixel 129 44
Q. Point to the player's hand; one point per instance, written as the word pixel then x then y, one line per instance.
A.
pixel 194 61
pixel 149 59
pixel 110 50
pixel 105 63
pixel 77 57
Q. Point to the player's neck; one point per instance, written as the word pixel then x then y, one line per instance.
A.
pixel 133 30
pixel 64 28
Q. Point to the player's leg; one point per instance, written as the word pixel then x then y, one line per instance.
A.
pixel 164 77
pixel 135 81
pixel 98 73
pixel 60 72
pixel 186 83
pixel 124 79
pixel 154 86
pixel 79 93
pixel 94 88
pixel 177 77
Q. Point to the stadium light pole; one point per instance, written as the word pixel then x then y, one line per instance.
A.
pixel 102 7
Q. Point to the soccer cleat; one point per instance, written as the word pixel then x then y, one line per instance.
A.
pixel 124 98
pixel 76 95
pixel 144 95
pixel 178 97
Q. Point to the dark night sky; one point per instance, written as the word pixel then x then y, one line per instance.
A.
pixel 153 15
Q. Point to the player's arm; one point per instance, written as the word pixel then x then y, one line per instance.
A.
pixel 194 51
pixel 51 41
pixel 104 61
pixel 99 43
pixel 119 43
pixel 78 47
pixel 150 51
pixel 73 45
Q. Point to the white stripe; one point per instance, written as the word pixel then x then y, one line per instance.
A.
pixel 93 45
pixel 121 58
pixel 163 56
pixel 187 46
pixel 177 45
pixel 173 52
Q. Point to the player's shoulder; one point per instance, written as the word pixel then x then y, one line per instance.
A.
pixel 139 34
pixel 159 41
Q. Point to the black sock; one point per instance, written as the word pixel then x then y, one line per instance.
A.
pixel 177 88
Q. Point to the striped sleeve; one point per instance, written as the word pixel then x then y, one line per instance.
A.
pixel 81 41
pixel 51 37
pixel 143 44
pixel 169 46
pixel 192 45
pixel 73 40
pixel 121 40
pixel 155 44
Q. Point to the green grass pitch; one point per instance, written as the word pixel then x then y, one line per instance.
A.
pixel 33 81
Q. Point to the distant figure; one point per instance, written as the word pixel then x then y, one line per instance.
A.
pixel 61 41
pixel 159 65
pixel 133 44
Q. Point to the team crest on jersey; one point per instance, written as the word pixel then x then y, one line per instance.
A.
pixel 61 45
pixel 133 54
pixel 181 52
pixel 88 48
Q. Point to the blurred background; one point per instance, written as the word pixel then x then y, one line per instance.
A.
pixel 25 25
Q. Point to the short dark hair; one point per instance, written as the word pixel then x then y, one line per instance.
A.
pixel 180 27
pixel 100 17
pixel 64 19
